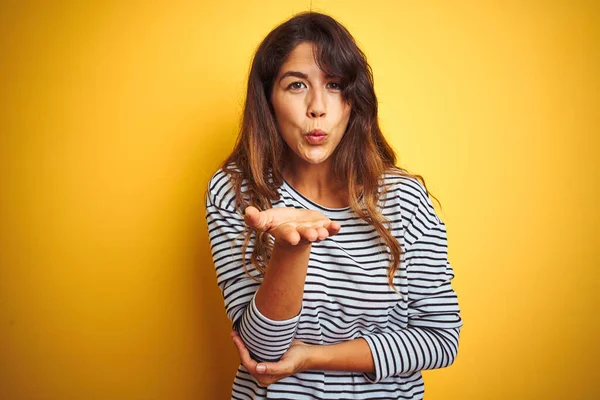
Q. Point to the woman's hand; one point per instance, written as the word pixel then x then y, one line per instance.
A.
pixel 294 360
pixel 291 225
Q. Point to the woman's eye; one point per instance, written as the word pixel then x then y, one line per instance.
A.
pixel 296 85
pixel 334 86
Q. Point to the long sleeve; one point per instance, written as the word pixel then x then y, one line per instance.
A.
pixel 266 339
pixel 431 339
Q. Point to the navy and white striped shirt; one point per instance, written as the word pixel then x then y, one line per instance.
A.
pixel 347 296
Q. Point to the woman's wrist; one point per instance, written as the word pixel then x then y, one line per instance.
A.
pixel 282 250
pixel 284 246
pixel 315 357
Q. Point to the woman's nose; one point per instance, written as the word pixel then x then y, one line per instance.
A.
pixel 316 106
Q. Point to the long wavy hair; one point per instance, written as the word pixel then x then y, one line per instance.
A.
pixel 363 155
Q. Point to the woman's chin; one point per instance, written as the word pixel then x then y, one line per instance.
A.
pixel 316 158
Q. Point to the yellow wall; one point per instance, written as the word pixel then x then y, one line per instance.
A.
pixel 113 117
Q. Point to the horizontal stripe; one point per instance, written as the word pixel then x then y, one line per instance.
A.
pixel 346 295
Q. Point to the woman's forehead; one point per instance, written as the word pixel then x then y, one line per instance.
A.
pixel 304 58
pixel 304 52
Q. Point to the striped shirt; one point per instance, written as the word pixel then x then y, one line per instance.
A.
pixel 346 296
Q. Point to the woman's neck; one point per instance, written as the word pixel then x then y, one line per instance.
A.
pixel 317 183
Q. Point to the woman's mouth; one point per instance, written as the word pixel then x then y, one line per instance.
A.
pixel 316 136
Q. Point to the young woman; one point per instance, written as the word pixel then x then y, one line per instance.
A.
pixel 332 261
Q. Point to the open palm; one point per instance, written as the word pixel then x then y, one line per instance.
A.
pixel 292 225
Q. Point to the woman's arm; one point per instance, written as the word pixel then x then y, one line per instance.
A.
pixel 280 294
pixel 266 318
pixel 431 339
pixel 294 230
pixel 353 355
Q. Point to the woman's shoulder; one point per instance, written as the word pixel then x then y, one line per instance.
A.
pixel 400 183
pixel 222 186
pixel 409 194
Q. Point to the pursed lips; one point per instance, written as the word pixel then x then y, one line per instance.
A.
pixel 316 136
pixel 316 132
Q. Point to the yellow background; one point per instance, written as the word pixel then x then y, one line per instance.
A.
pixel 113 116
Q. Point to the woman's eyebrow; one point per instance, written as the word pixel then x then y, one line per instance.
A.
pixel 297 74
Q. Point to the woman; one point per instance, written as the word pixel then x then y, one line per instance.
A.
pixel 331 260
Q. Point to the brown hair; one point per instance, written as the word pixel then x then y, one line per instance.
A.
pixel 362 157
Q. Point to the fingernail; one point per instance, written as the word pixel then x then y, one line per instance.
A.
pixel 261 368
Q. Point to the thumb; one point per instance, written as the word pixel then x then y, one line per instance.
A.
pixel 254 218
pixel 261 368
pixel 271 368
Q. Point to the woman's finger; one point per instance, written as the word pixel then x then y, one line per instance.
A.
pixel 243 352
pixel 307 232
pixel 269 372
pixel 333 227
pixel 256 219
pixel 288 233
pixel 277 369
pixel 322 233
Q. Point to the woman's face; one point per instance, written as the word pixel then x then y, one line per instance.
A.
pixel 311 113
